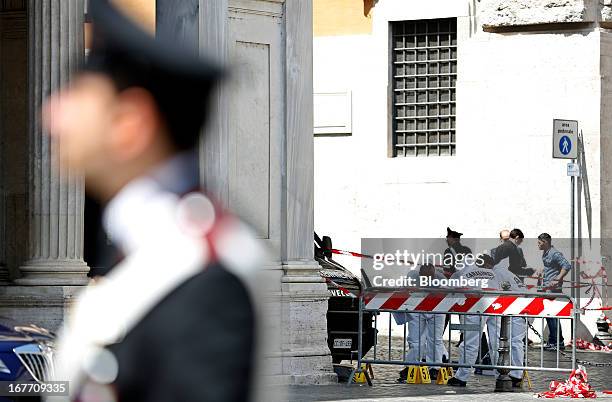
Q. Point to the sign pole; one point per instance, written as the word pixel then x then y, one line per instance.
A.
pixel 579 185
pixel 573 224
pixel 574 291
pixel 566 145
pixel 579 197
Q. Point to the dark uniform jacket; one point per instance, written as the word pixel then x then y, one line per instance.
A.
pixel 450 257
pixel 516 259
pixel 192 346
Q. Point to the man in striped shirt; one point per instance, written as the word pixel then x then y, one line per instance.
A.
pixel 556 267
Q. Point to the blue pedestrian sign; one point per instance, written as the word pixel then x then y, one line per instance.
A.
pixel 565 138
pixel 565 145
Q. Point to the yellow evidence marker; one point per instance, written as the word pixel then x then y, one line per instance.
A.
pixel 526 377
pixel 413 376
pixel 360 378
pixel 425 379
pixel 442 376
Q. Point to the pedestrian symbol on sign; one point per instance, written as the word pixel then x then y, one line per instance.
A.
pixel 565 145
pixel 565 139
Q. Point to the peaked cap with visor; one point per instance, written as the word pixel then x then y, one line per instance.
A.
pixel 179 80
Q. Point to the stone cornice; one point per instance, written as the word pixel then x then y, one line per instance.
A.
pixel 507 13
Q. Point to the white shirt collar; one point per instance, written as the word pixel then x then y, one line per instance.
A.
pixel 127 217
pixel 124 212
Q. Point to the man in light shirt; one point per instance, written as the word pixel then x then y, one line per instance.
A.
pixel 556 267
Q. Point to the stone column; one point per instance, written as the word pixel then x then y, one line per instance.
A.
pixel 214 41
pixel 56 196
pixel 275 35
pixel 305 354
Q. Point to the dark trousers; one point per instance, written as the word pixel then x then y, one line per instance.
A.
pixel 484 351
pixel 553 323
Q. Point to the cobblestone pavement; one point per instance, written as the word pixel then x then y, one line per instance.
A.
pixel 479 387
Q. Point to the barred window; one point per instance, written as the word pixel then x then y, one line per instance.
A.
pixel 424 72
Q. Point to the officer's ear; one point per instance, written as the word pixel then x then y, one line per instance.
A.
pixel 136 124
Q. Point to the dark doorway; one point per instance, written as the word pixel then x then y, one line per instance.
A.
pixel 13 137
pixel 98 251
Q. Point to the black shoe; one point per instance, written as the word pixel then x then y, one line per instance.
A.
pixel 455 382
pixel 516 382
pixel 433 374
pixel 403 375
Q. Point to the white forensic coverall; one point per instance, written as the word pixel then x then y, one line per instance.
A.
pixel 429 326
pixel 518 326
pixel 468 351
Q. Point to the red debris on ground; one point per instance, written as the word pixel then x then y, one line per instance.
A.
pixel 582 344
pixel 576 386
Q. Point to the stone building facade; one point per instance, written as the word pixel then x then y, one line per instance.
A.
pixel 482 100
pixel 259 146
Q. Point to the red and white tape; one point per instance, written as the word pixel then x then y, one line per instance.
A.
pixel 577 386
pixel 351 253
pixel 585 345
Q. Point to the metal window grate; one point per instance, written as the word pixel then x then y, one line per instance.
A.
pixel 424 72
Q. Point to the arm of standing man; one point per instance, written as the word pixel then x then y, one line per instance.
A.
pixel 564 265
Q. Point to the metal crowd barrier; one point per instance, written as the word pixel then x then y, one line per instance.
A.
pixel 480 303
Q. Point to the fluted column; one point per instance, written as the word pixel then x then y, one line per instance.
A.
pixel 215 149
pixel 306 356
pixel 56 196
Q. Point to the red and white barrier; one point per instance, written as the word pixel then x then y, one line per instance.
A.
pixel 468 303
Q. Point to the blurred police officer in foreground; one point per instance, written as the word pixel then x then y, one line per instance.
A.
pixel 174 320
